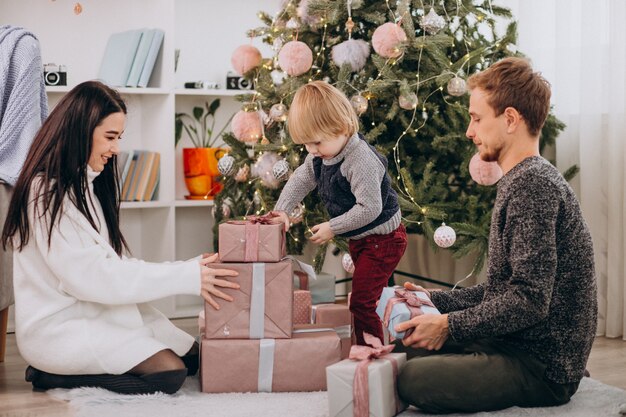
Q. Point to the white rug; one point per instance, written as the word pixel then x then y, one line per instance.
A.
pixel 593 399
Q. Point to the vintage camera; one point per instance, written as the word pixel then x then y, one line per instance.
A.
pixel 235 82
pixel 55 74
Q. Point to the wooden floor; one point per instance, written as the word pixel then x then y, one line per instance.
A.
pixel 606 364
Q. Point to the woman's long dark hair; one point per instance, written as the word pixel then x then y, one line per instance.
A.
pixel 59 155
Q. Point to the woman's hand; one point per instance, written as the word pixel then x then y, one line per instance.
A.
pixel 322 233
pixel 210 282
pixel 281 217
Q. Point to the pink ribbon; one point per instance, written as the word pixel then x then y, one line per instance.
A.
pixel 303 277
pixel 360 388
pixel 252 231
pixel 413 303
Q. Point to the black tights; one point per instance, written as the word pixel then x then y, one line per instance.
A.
pixel 167 381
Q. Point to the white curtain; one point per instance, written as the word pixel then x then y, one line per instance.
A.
pixel 580 47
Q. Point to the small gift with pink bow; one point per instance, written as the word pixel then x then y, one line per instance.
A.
pixel 255 239
pixel 398 304
pixel 365 384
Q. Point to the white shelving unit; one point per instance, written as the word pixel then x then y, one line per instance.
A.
pixel 206 32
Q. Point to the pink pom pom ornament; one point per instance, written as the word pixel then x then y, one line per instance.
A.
pixel 388 40
pixel 295 58
pixel 247 126
pixel 244 58
pixel 484 173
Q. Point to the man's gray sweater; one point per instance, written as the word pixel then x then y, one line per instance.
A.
pixel 540 293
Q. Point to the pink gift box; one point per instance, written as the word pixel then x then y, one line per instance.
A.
pixel 262 307
pixel 245 241
pixel 344 332
pixel 332 315
pixel 301 307
pixel 268 365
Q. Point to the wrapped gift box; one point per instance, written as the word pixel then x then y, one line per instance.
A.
pixel 262 307
pixel 383 401
pixel 398 309
pixel 322 288
pixel 332 315
pixel 269 365
pixel 344 332
pixel 301 307
pixel 246 241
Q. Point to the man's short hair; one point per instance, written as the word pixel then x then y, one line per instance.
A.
pixel 511 82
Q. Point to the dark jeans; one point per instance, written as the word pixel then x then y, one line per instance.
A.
pixel 375 258
pixel 483 375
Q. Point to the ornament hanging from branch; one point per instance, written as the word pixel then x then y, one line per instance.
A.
pixel 359 104
pixel 295 58
pixel 280 170
pixel 346 262
pixel 483 172
pixel 244 58
pixel 444 236
pixel 408 101
pixel 432 22
pixel 457 86
pixel 263 169
pixel 388 40
pixel 247 125
pixel 243 173
pixel 352 51
pixel 278 112
pixel 78 9
pixel 225 164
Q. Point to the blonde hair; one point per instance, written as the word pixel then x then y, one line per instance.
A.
pixel 320 111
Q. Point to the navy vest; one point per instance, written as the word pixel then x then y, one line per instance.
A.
pixel 334 190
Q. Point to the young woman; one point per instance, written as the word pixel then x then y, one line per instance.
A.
pixel 81 311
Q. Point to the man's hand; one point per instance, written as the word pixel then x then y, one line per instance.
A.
pixel 321 233
pixel 281 217
pixel 413 287
pixel 210 282
pixel 430 331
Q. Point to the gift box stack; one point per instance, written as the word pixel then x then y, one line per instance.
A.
pixel 251 344
pixel 365 384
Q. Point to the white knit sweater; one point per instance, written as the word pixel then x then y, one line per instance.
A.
pixel 81 309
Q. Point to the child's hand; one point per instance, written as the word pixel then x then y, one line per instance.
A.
pixel 321 233
pixel 280 217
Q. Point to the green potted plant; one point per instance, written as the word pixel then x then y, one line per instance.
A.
pixel 200 162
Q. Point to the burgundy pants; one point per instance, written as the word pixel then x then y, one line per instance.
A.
pixel 375 258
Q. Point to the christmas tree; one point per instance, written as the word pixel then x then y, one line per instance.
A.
pixel 403 64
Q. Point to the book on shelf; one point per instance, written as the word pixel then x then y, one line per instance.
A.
pixel 118 57
pixel 130 56
pixel 140 57
pixel 141 181
pixel 153 52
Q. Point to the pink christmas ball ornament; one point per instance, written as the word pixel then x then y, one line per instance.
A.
pixel 484 173
pixel 295 58
pixel 263 169
pixel 388 40
pixel 247 126
pixel 244 58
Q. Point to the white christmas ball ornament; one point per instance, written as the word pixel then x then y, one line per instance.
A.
pixel 359 104
pixel 432 22
pixel 278 112
pixel 225 164
pixel 263 169
pixel 280 169
pixel 444 236
pixel 457 86
pixel 278 77
pixel 353 52
pixel 347 263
